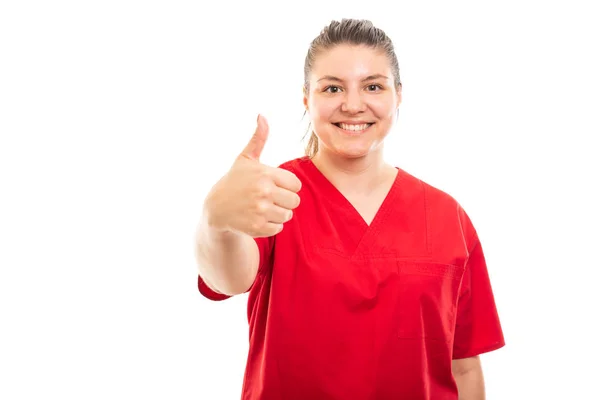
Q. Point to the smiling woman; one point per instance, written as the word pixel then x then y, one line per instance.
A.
pixel 351 87
pixel 364 281
pixel 352 80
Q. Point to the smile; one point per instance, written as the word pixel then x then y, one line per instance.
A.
pixel 353 128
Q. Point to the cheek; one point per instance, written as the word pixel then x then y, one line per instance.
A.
pixel 323 110
pixel 383 106
pixel 383 109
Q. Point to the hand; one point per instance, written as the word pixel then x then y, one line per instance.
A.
pixel 253 198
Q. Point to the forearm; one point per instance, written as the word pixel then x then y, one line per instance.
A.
pixel 227 261
pixel 470 385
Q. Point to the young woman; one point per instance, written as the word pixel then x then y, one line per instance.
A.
pixel 364 282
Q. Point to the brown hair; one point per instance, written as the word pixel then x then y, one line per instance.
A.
pixel 347 31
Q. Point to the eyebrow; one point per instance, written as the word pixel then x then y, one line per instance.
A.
pixel 368 78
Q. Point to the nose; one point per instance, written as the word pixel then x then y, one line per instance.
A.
pixel 353 102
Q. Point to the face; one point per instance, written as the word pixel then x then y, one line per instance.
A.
pixel 352 100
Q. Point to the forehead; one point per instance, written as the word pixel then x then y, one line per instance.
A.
pixel 350 62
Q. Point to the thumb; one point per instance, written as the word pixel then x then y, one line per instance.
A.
pixel 256 144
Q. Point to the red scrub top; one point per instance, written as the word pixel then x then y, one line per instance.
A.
pixel 345 310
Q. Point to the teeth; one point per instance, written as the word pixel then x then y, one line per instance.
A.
pixel 355 128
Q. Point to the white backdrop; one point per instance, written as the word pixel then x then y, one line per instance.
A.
pixel 116 117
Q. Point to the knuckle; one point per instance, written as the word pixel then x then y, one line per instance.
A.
pixel 265 190
pixel 256 226
pixel 260 207
pixel 264 174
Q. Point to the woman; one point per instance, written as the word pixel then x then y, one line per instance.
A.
pixel 364 282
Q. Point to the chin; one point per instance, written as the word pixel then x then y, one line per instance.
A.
pixel 352 152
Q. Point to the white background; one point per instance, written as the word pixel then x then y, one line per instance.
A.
pixel 116 117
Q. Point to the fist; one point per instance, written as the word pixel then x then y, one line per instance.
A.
pixel 253 198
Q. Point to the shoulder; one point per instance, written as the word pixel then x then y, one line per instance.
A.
pixel 302 167
pixel 434 196
pixel 441 206
pixel 296 164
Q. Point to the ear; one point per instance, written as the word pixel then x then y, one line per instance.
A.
pixel 305 97
pixel 399 96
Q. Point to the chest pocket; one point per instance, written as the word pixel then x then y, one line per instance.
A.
pixel 426 299
pixel 415 299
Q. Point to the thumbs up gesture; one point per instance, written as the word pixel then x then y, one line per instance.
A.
pixel 253 198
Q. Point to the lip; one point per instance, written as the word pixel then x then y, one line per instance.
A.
pixel 353 122
pixel 353 132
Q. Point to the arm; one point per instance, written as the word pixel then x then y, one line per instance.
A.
pixel 251 201
pixel 227 261
pixel 468 375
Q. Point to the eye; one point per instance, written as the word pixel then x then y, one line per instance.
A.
pixel 374 87
pixel 332 89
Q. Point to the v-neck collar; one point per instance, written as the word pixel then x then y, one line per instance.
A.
pixel 334 196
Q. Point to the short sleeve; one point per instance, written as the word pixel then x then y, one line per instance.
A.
pixel 265 246
pixel 478 328
pixel 208 292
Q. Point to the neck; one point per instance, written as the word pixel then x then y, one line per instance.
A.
pixel 354 175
